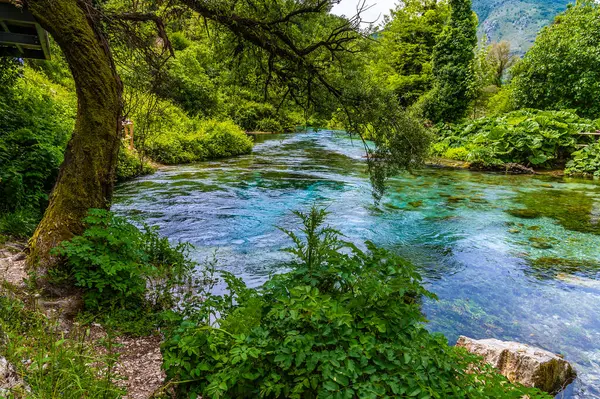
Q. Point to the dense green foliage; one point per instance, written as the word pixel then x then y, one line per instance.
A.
pixel 453 56
pixel 585 162
pixel 115 264
pixel 54 363
pixel 212 140
pixel 36 120
pixel 37 111
pixel 343 323
pixel 131 165
pixel 562 69
pixel 528 137
pixel 403 55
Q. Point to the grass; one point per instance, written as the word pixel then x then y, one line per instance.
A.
pixel 55 363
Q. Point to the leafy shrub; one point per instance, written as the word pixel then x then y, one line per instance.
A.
pixel 269 125
pixel 179 41
pixel 59 364
pixel 529 137
pixel 168 149
pixel 36 121
pixel 459 153
pixel 114 263
pixel 585 162
pixel 342 324
pixel 502 102
pixel 30 168
pixel 130 166
pixel 562 69
pixel 224 139
pixel 188 81
pixel 20 223
pixel 212 140
pixel 248 114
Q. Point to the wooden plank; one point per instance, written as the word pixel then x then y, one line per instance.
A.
pixel 10 13
pixel 43 37
pixel 3 25
pixel 19 39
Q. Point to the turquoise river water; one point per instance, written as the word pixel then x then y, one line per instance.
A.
pixel 509 257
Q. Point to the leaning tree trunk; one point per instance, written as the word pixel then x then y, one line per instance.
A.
pixel 87 174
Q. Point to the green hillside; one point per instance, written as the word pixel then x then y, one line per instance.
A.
pixel 516 21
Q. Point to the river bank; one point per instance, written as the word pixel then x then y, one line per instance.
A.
pixel 496 275
pixel 137 367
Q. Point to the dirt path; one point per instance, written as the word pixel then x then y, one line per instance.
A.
pixel 140 360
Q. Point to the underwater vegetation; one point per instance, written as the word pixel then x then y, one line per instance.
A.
pixel 573 209
pixel 524 213
pixel 549 267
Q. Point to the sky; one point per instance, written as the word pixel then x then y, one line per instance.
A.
pixel 378 10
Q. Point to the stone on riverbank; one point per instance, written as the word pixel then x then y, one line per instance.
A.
pixel 524 364
pixel 10 382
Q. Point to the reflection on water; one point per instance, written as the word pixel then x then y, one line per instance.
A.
pixel 510 257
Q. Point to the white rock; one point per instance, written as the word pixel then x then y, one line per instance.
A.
pixel 577 280
pixel 524 364
pixel 9 379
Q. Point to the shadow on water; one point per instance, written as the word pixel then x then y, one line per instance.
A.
pixel 510 257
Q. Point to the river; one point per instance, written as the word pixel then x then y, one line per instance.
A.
pixel 509 257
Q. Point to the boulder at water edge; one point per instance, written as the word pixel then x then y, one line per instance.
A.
pixel 524 364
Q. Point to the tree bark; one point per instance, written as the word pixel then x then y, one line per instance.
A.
pixel 87 174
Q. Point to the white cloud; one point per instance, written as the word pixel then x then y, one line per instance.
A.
pixel 378 9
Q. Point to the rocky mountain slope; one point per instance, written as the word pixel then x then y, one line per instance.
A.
pixel 517 21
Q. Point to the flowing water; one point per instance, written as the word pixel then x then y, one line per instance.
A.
pixel 509 257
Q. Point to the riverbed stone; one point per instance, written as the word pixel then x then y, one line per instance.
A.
pixel 524 364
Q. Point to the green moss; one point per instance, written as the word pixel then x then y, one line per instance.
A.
pixel 455 199
pixel 542 242
pixel 416 204
pixel 479 200
pixel 524 213
pixel 548 266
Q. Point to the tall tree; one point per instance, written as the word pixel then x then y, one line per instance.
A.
pixel 300 41
pixel 403 54
pixel 453 55
pixel 87 174
pixel 562 69
pixel 501 60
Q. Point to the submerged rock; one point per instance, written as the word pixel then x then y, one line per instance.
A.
pixel 578 280
pixel 524 364
pixel 541 242
pixel 568 266
pixel 416 204
pixel 572 209
pixel 516 168
pixel 524 213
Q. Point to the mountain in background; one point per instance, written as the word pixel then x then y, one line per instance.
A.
pixel 516 21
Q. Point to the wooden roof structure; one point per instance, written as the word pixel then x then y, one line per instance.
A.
pixel 20 34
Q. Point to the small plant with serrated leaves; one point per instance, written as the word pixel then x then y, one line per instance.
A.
pixel 125 273
pixel 343 323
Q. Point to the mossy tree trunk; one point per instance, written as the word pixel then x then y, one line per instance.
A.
pixel 87 174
